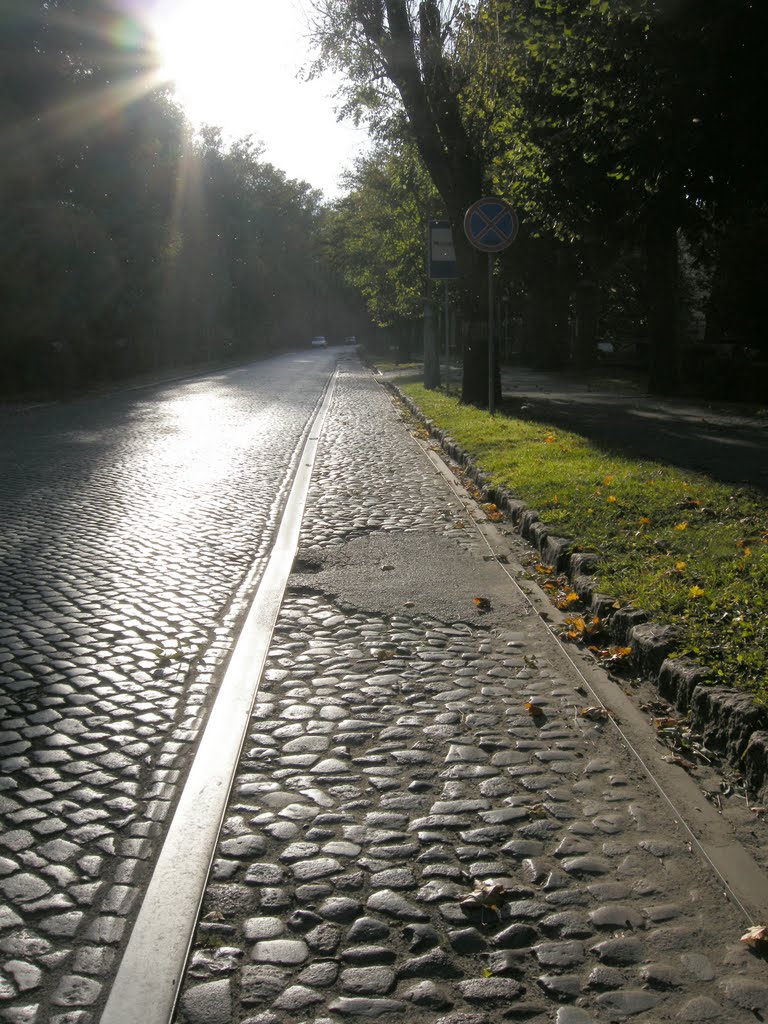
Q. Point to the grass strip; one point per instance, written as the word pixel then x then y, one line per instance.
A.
pixel 689 551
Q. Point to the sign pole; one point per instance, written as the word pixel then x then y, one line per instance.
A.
pixel 490 225
pixel 491 374
pixel 447 345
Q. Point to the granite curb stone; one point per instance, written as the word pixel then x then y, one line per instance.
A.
pixel 728 720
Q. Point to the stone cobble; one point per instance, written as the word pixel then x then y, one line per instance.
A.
pixel 133 526
pixel 424 826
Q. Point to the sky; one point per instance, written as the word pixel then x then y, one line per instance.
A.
pixel 235 64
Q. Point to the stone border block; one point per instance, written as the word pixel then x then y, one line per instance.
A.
pixel 728 720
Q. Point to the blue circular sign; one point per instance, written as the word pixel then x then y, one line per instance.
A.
pixel 491 224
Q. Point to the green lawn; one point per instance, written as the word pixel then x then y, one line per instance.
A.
pixel 689 551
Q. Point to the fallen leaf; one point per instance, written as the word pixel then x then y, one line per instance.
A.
pixel 534 710
pixel 485 894
pixel 756 935
pixel 595 714
pixel 665 723
pixel 676 759
pixel 538 811
pixel 612 655
pixel 483 604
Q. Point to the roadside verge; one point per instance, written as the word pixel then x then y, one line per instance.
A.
pixel 727 720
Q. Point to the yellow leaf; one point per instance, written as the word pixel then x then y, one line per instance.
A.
pixel 682 526
pixel 611 499
pixel 607 480
pixel 679 566
pixel 665 723
pixel 482 603
pixel 695 592
pixel 534 710
pixel 550 439
pixel 644 520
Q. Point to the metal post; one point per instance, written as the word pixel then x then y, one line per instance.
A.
pixel 491 374
pixel 447 345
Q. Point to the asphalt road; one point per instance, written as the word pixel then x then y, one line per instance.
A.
pixel 134 525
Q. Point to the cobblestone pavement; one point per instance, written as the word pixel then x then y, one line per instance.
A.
pixel 423 826
pixel 133 525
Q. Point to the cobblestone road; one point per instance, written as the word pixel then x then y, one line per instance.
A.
pixel 132 527
pixel 423 827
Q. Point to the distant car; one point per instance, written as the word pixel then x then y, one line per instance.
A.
pixel 318 341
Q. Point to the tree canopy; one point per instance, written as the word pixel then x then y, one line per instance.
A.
pixel 129 240
pixel 616 127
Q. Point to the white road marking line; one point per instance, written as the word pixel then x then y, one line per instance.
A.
pixel 147 983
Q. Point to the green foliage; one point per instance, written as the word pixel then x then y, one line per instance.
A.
pixel 377 232
pixel 127 241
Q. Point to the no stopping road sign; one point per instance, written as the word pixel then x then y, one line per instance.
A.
pixel 490 224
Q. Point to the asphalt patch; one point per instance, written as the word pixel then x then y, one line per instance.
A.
pixel 390 573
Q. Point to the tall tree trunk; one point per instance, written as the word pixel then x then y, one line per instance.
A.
pixel 434 113
pixel 662 285
pixel 548 297
pixel 431 352
pixel 586 299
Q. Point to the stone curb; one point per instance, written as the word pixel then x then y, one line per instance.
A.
pixel 727 720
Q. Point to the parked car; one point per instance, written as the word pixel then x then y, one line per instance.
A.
pixel 318 341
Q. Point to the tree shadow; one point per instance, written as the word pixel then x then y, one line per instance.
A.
pixel 724 442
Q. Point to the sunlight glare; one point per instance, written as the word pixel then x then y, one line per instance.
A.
pixel 235 65
pixel 215 54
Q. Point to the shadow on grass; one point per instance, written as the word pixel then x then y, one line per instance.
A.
pixel 725 443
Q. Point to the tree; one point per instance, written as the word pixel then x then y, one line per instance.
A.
pixel 408 53
pixel 621 121
pixel 127 240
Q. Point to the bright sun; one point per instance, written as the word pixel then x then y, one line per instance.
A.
pixel 214 54
pixel 234 64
